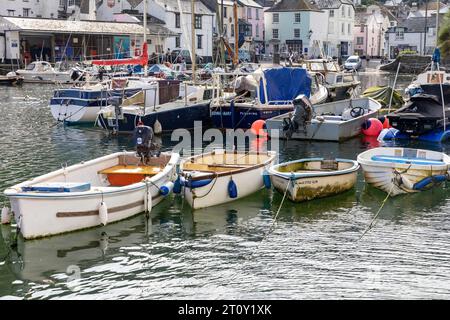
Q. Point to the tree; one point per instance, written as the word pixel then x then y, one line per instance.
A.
pixel 444 36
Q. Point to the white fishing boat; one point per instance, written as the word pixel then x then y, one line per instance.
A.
pixel 94 193
pixel 44 72
pixel 222 176
pixel 333 121
pixel 402 170
pixel 308 179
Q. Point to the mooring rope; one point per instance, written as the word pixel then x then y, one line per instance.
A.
pixel 372 223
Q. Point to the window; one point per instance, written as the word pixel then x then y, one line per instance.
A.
pixel 177 42
pixel 232 30
pixel 343 11
pixel 199 41
pixel 331 13
pixel 26 12
pixel 249 13
pixel 177 20
pixel 342 29
pixel 373 41
pixel 362 28
pixel 360 40
pixel 296 33
pixel 276 18
pixel 275 33
pixel 257 31
pixel 11 13
pixel 297 18
pixel 198 21
pixel 399 35
pixel 349 29
pixel 224 12
pixel 349 13
pixel 257 14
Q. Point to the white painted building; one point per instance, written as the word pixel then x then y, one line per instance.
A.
pixel 340 20
pixel 294 25
pixel 30 8
pixel 175 18
pixel 410 34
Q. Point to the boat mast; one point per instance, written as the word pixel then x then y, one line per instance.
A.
pixel 145 35
pixel 425 33
pixel 236 34
pixel 437 21
pixel 194 62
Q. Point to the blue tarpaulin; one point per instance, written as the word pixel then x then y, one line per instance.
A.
pixel 285 84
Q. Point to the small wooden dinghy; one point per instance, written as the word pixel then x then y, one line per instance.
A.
pixel 222 176
pixel 401 170
pixel 90 194
pixel 308 179
pixel 97 192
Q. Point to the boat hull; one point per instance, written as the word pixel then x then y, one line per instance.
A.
pixel 75 106
pixel 402 178
pixel 242 117
pixel 309 188
pixel 181 117
pixel 333 128
pixel 41 215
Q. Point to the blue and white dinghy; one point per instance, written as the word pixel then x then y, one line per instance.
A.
pixel 308 179
pixel 402 170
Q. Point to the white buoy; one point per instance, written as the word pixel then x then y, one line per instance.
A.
pixel 103 213
pixel 158 127
pixel 6 215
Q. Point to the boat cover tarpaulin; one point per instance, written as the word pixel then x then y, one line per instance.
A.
pixel 285 84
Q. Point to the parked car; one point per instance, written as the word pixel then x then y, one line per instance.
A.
pixel 176 56
pixel 353 63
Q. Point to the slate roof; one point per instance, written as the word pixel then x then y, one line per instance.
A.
pixel 415 25
pixel 332 4
pixel 293 5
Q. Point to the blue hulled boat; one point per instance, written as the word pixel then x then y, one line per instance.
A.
pixel 263 94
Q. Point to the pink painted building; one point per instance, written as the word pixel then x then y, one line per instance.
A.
pixel 251 16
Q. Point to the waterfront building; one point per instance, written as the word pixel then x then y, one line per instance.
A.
pixel 295 25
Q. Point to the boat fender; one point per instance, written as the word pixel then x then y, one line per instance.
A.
pixel 232 189
pixel 372 127
pixel 157 127
pixel 266 179
pixel 177 186
pixel 167 189
pixel 387 134
pixel 430 180
pixel 149 202
pixel 103 213
pixel 195 184
pixel 6 215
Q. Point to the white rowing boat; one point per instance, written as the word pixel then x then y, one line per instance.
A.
pixel 94 193
pixel 308 179
pixel 402 170
pixel 222 176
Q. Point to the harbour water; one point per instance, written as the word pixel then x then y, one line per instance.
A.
pixel 218 253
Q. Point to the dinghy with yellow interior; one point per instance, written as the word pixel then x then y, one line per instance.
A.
pixel 308 179
pixel 94 193
pixel 402 170
pixel 222 176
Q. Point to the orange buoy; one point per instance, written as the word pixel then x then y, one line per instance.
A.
pixel 372 127
pixel 385 121
pixel 259 128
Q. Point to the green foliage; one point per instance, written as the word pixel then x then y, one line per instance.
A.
pixel 444 36
pixel 408 52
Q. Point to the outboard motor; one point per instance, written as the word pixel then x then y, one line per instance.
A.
pixel 303 114
pixel 143 138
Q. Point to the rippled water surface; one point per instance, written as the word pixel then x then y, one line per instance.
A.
pixel 217 253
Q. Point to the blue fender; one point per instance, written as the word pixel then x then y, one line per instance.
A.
pixel 429 180
pixel 195 184
pixel 177 186
pixel 266 179
pixel 232 189
pixel 167 189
